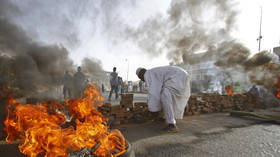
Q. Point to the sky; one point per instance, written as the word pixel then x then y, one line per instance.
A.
pixel 249 18
pixel 98 28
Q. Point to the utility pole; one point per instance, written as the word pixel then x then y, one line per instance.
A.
pixel 260 35
pixel 127 69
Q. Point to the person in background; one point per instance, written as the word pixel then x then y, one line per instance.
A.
pixel 140 86
pixel 168 89
pixel 125 87
pixel 120 85
pixel 67 85
pixel 113 83
pixel 79 83
pixel 102 88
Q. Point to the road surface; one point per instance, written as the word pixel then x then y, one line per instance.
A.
pixel 210 135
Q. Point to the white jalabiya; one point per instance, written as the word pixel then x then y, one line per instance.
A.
pixel 168 88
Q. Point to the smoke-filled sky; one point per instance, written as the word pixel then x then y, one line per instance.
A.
pixel 145 33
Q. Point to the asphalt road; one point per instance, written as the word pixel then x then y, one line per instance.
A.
pixel 252 141
pixel 210 135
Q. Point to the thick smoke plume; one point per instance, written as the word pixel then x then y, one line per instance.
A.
pixel 190 26
pixel 92 68
pixel 72 23
pixel 193 26
pixel 30 66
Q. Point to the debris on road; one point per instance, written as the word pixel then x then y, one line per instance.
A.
pixel 127 111
pixel 267 117
pixel 209 103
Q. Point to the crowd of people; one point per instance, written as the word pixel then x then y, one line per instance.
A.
pixel 73 86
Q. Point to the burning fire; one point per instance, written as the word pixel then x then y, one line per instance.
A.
pixel 278 89
pixel 40 129
pixel 229 89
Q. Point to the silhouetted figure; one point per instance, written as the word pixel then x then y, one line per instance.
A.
pixel 67 85
pixel 102 88
pixel 79 83
pixel 120 85
pixel 114 83
pixel 141 86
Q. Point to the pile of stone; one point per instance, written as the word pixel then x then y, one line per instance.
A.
pixel 127 111
pixel 210 103
pixel 126 101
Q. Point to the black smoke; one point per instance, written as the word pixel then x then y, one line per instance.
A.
pixel 27 65
pixel 193 26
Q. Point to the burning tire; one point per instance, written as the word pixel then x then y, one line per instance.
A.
pixel 129 151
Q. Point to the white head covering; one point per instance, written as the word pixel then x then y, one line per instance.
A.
pixel 138 71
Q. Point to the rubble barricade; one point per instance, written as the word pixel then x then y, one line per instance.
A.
pixel 209 103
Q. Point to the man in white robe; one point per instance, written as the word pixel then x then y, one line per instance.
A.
pixel 168 89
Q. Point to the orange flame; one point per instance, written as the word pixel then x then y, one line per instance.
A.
pixel 39 127
pixel 229 90
pixel 278 89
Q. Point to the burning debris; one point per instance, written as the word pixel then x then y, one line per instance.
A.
pixel 229 89
pixel 278 89
pixel 39 127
